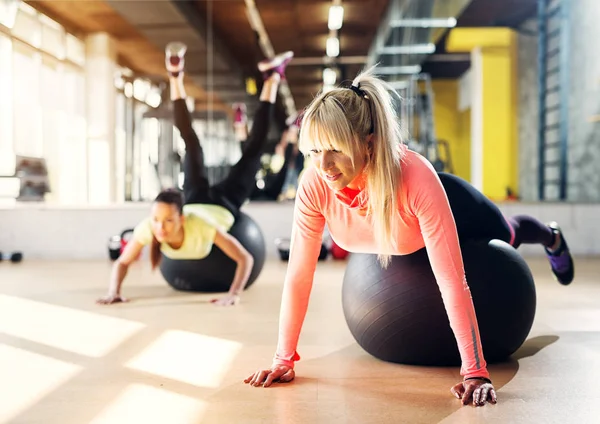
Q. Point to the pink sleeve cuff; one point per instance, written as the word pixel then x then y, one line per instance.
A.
pixel 278 360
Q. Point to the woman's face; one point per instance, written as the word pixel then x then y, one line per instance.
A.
pixel 336 168
pixel 166 221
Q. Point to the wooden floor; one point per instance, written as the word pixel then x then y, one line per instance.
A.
pixel 170 357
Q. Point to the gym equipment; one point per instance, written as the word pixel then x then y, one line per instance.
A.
pixel 114 248
pixel 283 247
pixel 215 272
pixel 14 257
pixel 337 252
pixel 397 314
pixel 417 112
pixel 116 244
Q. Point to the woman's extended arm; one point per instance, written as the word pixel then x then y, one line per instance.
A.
pixel 119 271
pixel 234 249
pixel 429 203
pixel 306 239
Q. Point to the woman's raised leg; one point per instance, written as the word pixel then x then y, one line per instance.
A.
pixel 237 187
pixel 195 183
pixel 478 218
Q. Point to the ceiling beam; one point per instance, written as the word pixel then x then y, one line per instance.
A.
pixel 326 60
pixel 393 12
pixel 255 21
pixel 424 23
pixel 189 9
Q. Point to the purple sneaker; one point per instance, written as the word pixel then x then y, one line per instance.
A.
pixel 275 64
pixel 561 260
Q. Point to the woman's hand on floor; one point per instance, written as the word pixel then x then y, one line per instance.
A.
pixel 111 298
pixel 227 300
pixel 279 373
pixel 480 391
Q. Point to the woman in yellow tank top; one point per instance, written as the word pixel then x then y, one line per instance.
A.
pixel 186 227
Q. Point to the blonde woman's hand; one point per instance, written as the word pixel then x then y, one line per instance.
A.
pixel 478 390
pixel 278 373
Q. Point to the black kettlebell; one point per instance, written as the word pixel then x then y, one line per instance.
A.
pixel 114 248
pixel 116 244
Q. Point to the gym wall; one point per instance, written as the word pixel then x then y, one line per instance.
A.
pixel 528 111
pixel 453 125
pixel 46 232
pixel 583 173
pixel 584 102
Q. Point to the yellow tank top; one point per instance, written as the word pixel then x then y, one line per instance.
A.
pixel 200 228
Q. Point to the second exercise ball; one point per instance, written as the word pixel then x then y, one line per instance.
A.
pixel 398 315
pixel 215 272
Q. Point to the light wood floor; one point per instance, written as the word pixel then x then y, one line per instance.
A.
pixel 170 357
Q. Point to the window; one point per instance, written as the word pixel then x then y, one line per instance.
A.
pixel 42 109
pixel 26 101
pixel 7 153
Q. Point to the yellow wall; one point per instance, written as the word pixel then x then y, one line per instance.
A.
pixel 452 126
pixel 500 127
pixel 462 158
pixel 496 49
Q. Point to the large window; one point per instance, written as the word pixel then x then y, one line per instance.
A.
pixel 7 153
pixel 27 101
pixel 42 107
pixel 45 114
pixel 136 137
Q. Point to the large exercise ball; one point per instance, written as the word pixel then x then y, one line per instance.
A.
pixel 398 315
pixel 215 272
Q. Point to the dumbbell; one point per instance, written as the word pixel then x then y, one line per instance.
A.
pixel 13 257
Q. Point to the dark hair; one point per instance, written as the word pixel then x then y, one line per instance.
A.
pixel 169 196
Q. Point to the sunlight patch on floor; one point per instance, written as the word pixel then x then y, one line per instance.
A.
pixel 27 377
pixel 72 330
pixel 188 357
pixel 140 403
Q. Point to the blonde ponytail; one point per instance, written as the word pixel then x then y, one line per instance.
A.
pixel 343 119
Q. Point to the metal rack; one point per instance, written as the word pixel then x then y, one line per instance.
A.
pixel 416 113
pixel 553 86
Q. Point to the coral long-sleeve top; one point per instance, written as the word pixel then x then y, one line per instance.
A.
pixel 424 219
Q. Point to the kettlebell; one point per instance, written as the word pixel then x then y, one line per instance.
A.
pixel 116 244
pixel 114 247
pixel 125 237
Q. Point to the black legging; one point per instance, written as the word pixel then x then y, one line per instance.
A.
pixel 236 188
pixel 478 218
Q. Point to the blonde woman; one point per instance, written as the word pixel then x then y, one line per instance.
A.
pixel 359 160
